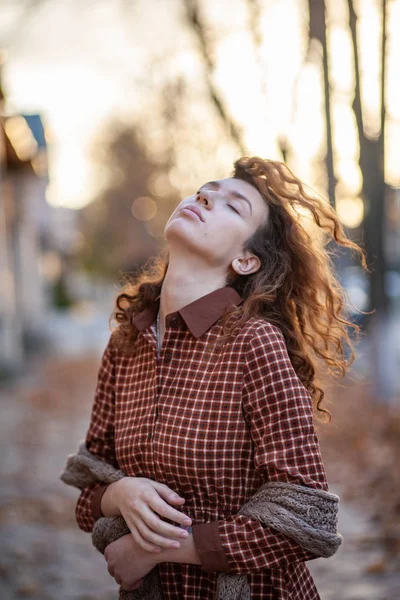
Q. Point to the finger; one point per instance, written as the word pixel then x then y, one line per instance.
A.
pixel 152 536
pixel 158 505
pixel 166 493
pixel 140 541
pixel 161 528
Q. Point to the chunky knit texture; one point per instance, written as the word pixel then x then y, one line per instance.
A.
pixel 307 515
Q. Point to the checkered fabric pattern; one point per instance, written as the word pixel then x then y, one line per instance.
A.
pixel 213 427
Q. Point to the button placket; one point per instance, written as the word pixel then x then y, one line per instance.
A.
pixel 170 321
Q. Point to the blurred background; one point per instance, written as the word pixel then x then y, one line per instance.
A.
pixel 111 112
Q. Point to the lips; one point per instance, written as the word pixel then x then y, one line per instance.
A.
pixel 195 209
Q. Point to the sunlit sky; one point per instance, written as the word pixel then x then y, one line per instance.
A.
pixel 78 64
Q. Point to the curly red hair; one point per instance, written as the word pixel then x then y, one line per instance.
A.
pixel 295 288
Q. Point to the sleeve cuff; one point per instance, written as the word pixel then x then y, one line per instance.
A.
pixel 96 501
pixel 209 547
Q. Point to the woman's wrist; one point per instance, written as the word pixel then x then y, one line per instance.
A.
pixel 96 501
pixel 110 500
pixel 186 553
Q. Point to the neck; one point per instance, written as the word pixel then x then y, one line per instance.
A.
pixel 181 286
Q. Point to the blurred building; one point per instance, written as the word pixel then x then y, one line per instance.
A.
pixel 34 236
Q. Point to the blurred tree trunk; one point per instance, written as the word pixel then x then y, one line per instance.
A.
pixel 317 30
pixel 197 26
pixel 383 370
pixel 372 161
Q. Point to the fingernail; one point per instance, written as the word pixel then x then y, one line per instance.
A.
pixel 175 545
pixel 187 522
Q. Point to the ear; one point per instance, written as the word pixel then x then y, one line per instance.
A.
pixel 246 266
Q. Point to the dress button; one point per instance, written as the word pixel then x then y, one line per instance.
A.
pixel 168 356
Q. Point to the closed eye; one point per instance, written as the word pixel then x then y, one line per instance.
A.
pixel 232 207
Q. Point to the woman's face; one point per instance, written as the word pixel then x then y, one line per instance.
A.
pixel 230 212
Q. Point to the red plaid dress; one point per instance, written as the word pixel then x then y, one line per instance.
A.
pixel 213 428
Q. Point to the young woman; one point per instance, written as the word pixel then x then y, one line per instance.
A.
pixel 208 386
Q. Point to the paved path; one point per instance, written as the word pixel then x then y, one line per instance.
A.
pixel 343 576
pixel 44 555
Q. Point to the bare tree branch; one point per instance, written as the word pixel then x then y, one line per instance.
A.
pixel 194 21
pixel 357 107
pixel 318 31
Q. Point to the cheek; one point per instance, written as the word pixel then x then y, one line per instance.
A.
pixel 225 242
pixel 232 232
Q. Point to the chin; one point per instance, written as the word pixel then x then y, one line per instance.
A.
pixel 178 226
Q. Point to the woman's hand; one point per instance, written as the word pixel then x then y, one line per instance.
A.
pixel 140 501
pixel 128 563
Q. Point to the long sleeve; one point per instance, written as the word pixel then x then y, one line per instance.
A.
pixel 99 438
pixel 278 411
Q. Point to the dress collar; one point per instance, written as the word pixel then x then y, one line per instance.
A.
pixel 199 315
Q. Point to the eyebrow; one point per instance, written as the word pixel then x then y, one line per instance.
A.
pixel 231 192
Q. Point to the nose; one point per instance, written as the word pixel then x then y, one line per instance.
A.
pixel 204 198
